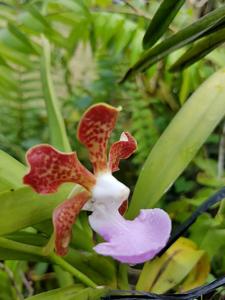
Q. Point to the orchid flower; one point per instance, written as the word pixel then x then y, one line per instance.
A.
pixel 128 241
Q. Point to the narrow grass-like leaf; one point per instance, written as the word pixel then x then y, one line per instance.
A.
pixel 199 50
pixel 77 292
pixel 9 254
pixel 183 37
pixel 14 56
pixel 19 35
pixel 179 143
pixel 161 21
pixel 57 129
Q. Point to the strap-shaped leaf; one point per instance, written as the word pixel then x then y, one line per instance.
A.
pixel 57 129
pixel 180 142
pixel 77 292
pixel 199 50
pixel 183 37
pixel 161 21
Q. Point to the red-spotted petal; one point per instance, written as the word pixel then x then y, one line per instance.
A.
pixel 121 150
pixel 49 168
pixel 94 130
pixel 64 217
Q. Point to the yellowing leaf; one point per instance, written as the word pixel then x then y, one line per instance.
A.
pixel 198 275
pixel 166 272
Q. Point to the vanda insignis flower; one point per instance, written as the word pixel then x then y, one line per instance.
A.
pixel 127 241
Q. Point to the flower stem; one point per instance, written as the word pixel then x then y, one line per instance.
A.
pixel 66 266
pixel 123 283
pixel 20 247
pixel 29 249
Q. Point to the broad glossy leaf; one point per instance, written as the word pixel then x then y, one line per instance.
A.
pixel 161 21
pixel 166 272
pixel 180 142
pixel 77 292
pixel 57 129
pixel 11 172
pixel 183 37
pixel 199 50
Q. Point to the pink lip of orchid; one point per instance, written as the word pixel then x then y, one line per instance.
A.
pixel 127 241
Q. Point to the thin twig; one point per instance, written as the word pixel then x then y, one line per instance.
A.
pixel 12 280
pixel 128 3
pixel 28 284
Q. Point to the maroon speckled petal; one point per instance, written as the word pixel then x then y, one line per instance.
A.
pixel 94 130
pixel 49 168
pixel 121 150
pixel 64 217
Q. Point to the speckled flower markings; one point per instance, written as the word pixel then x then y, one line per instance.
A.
pixel 127 241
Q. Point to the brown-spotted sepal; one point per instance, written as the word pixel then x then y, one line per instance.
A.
pixel 49 168
pixel 94 131
pixel 122 149
pixel 64 217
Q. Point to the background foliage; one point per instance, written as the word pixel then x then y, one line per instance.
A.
pixel 62 56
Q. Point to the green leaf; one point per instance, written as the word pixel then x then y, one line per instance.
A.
pixel 11 172
pixel 166 272
pixel 30 22
pixel 199 50
pixel 183 37
pixel 14 56
pixel 11 254
pixel 179 143
pixel 57 129
pixel 12 250
pixel 161 21
pixel 64 278
pixel 78 7
pixel 21 208
pixel 22 38
pixel 43 24
pixel 77 292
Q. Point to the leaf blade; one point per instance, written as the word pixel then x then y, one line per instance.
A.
pixel 161 21
pixel 199 50
pixel 180 142
pixel 11 172
pixel 183 37
pixel 57 128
